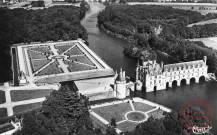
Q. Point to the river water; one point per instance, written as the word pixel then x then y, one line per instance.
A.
pixel 110 49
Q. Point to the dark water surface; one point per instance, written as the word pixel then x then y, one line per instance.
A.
pixel 110 49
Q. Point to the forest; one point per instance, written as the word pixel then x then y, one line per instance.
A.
pixel 161 28
pixel 26 26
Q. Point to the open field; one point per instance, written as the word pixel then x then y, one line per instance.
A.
pixel 117 111
pixel 208 7
pixel 19 95
pixel 2 97
pixel 209 42
pixel 3 112
pixel 203 22
pixel 26 108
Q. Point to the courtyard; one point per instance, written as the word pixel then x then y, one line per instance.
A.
pixel 128 113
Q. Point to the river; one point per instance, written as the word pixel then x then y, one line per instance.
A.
pixel 110 49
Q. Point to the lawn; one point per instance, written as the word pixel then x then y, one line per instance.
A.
pixel 82 59
pixel 62 48
pixel 113 111
pixel 136 116
pixel 209 42
pixel 19 95
pixel 74 51
pixel 127 126
pixel 42 49
pixel 74 67
pixel 27 107
pixel 142 107
pixel 156 114
pixel 203 22
pixel 98 124
pixel 50 70
pixel 35 55
pixel 2 97
pixel 37 64
pixel 3 112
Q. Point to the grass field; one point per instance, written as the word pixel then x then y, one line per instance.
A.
pixel 210 8
pixel 156 114
pixel 50 70
pixel 127 126
pixel 2 97
pixel 3 112
pixel 203 22
pixel 26 108
pixel 142 107
pixel 113 111
pixel 209 42
pixel 19 95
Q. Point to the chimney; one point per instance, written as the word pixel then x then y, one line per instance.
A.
pixel 162 64
pixel 124 77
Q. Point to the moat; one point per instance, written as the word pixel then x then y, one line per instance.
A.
pixel 110 49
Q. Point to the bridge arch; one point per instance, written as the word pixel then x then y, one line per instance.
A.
pixel 174 83
pixel 202 78
pixel 155 88
pixel 183 81
pixel 193 80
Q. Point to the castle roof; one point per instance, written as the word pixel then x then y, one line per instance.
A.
pixel 183 64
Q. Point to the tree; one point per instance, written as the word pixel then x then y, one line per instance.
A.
pixel 64 112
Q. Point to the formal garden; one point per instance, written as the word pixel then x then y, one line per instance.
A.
pixel 37 64
pixel 42 49
pixel 75 66
pixel 62 47
pixel 74 51
pixel 2 97
pixel 35 55
pixel 82 59
pixel 127 114
pixel 50 70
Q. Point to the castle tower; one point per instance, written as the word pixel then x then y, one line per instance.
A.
pixel 137 71
pixel 204 59
pixel 120 85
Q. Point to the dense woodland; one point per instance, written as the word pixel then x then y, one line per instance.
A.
pixel 161 28
pixel 26 26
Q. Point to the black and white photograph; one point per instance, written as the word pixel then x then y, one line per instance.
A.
pixel 108 67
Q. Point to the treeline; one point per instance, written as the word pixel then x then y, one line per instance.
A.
pixel 26 26
pixel 162 28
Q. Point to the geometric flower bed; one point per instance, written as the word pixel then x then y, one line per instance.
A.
pixel 44 62
pixel 128 113
pixel 2 97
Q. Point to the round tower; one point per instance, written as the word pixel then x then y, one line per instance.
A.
pixel 120 85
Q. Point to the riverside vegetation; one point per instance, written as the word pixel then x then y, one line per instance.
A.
pixel 160 28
